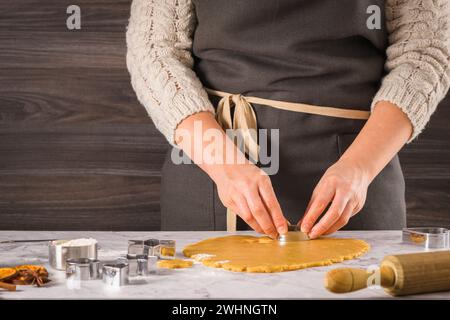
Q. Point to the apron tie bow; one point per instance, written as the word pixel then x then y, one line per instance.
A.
pixel 234 112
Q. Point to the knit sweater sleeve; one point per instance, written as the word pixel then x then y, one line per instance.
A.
pixel 159 59
pixel 418 58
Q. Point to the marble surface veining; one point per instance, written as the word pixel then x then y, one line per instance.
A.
pixel 199 282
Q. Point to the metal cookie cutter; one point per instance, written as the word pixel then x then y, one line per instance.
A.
pixel 115 274
pixel 164 249
pixel 294 234
pixel 153 264
pixel 167 249
pixel 429 238
pixel 137 264
pixel 82 269
pixel 148 247
pixel 140 265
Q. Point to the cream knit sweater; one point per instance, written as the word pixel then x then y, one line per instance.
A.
pixel 159 40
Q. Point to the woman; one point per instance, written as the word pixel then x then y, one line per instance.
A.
pixel 334 171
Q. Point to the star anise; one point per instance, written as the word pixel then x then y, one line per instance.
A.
pixel 31 275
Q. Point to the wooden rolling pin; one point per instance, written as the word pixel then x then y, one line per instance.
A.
pixel 399 275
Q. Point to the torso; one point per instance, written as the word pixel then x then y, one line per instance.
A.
pixel 312 51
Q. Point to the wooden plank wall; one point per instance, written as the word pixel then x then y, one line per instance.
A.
pixel 77 151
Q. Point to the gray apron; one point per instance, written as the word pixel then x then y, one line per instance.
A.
pixel 317 52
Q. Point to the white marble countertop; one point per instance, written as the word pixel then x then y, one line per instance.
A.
pixel 199 282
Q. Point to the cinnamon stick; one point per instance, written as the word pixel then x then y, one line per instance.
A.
pixel 7 286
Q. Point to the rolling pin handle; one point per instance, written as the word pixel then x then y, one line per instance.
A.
pixel 344 280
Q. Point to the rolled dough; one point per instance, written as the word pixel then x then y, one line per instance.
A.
pixel 262 254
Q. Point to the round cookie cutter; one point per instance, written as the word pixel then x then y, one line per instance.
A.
pixel 294 234
pixel 427 237
pixel 83 269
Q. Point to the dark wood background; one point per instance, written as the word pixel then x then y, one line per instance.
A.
pixel 78 152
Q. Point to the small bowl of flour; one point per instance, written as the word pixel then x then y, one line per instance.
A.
pixel 61 250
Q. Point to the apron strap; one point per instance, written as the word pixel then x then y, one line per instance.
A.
pixel 298 107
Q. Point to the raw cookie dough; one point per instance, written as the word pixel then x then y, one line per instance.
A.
pixel 175 264
pixel 262 254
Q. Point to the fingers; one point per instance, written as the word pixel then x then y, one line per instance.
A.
pixel 333 214
pixel 322 196
pixel 260 213
pixel 343 220
pixel 268 195
pixel 299 223
pixel 244 212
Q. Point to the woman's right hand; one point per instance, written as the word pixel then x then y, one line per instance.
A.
pixel 247 190
pixel 243 187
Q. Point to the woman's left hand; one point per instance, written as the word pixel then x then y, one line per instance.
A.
pixel 344 185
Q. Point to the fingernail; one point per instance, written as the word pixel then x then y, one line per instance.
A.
pixel 305 228
pixel 282 230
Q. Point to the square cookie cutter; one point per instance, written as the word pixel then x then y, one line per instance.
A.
pixel 139 264
pixel 163 249
pixel 427 237
pixel 148 247
pixel 115 274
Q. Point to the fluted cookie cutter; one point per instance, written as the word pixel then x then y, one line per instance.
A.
pixel 115 274
pixel 82 269
pixel 427 237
